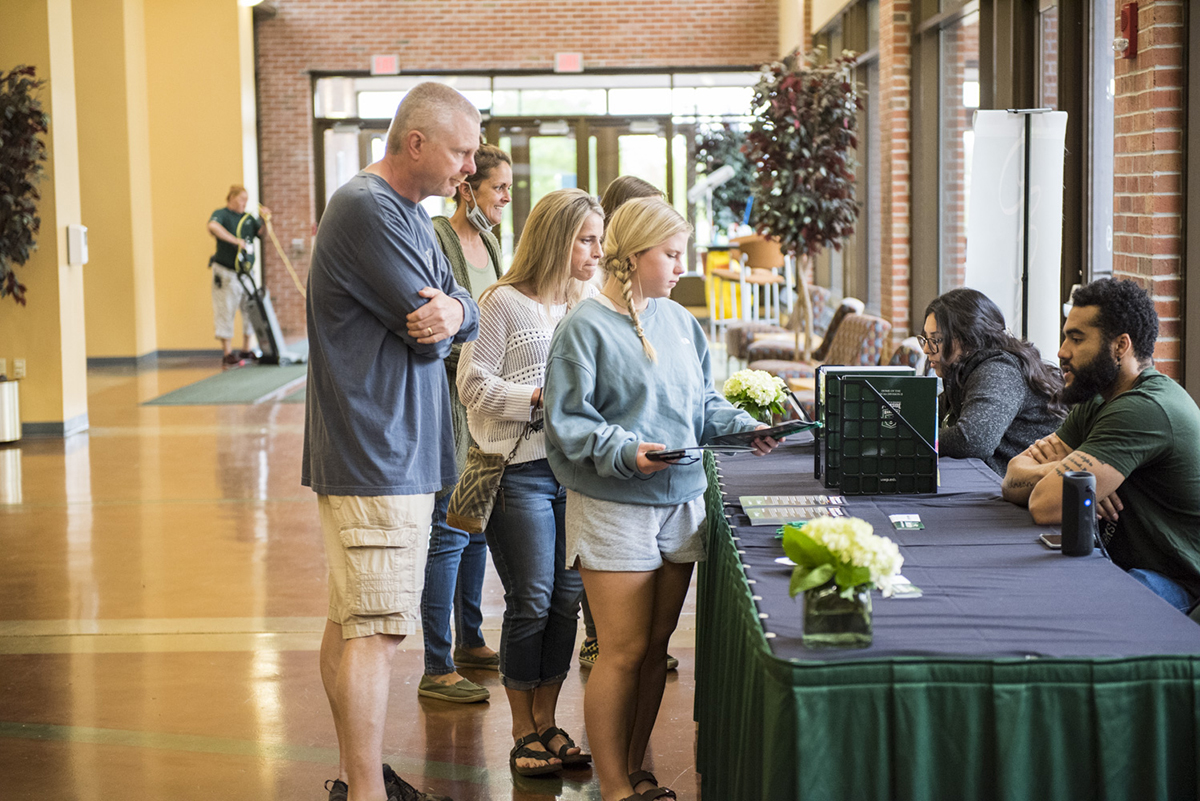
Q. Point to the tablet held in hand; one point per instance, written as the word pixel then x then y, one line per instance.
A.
pixel 775 432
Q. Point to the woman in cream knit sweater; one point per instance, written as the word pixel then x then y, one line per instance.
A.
pixel 500 378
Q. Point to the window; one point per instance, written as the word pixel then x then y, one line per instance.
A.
pixel 1103 93
pixel 684 94
pixel 958 99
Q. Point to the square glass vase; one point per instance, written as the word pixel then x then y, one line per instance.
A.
pixel 831 621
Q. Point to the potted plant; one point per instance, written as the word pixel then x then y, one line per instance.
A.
pixel 839 560
pixel 801 142
pixel 758 393
pixel 22 153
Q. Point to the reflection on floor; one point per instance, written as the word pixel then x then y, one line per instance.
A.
pixel 163 587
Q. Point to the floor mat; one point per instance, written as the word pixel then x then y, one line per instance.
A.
pixel 299 396
pixel 257 383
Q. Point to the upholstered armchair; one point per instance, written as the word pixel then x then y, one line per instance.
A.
pixel 772 347
pixel 860 339
pixel 909 354
pixel 739 336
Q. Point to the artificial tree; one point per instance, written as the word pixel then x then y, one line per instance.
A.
pixel 801 142
pixel 718 145
pixel 22 151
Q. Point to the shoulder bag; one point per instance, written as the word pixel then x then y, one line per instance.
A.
pixel 475 493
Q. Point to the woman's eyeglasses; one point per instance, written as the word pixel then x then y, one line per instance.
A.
pixel 931 344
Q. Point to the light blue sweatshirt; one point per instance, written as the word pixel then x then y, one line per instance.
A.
pixel 604 397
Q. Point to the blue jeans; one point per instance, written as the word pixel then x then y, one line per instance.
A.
pixel 1168 589
pixel 453 572
pixel 527 537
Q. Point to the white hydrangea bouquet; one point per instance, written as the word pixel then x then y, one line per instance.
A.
pixel 844 550
pixel 757 392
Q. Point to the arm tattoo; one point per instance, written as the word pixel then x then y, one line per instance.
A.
pixel 1080 461
pixel 1022 484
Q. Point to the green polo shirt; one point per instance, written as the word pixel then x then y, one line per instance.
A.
pixel 250 225
pixel 1151 435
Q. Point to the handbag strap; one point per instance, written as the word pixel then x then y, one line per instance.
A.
pixel 523 435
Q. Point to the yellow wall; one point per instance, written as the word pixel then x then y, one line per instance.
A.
pixel 825 10
pixel 791 25
pixel 49 332
pixel 195 126
pixel 115 180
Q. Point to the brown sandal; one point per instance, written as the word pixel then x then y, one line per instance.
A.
pixel 521 751
pixel 569 760
pixel 639 776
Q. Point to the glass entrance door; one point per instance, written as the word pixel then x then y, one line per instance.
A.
pixel 587 153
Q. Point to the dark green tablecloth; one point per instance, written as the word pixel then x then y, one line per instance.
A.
pixel 777 722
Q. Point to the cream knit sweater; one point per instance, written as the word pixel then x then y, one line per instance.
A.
pixel 498 371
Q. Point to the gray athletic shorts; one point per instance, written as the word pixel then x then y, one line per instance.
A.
pixel 630 537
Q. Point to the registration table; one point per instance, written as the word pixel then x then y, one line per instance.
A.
pixel 1020 673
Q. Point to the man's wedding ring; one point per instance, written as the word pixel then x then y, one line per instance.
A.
pixel 430 330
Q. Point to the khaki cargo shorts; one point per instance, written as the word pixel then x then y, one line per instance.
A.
pixel 228 295
pixel 376 547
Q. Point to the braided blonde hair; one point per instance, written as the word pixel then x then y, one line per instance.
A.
pixel 637 226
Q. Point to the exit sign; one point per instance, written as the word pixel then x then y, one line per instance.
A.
pixel 568 62
pixel 385 65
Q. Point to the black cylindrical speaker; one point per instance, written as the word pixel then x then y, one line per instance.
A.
pixel 1078 513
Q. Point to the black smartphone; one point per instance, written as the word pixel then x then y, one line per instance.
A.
pixel 666 456
pixel 1051 541
pixel 694 452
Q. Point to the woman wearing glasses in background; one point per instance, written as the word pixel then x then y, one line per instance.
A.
pixel 457 561
pixel 998 395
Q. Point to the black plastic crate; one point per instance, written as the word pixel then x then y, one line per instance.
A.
pixel 879 451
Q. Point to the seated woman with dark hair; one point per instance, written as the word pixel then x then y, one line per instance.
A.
pixel 998 395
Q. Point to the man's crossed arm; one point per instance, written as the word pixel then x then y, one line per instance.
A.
pixel 1034 479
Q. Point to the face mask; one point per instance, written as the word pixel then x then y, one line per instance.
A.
pixel 475 214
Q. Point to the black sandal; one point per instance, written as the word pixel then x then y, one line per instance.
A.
pixel 569 760
pixel 639 776
pixel 520 751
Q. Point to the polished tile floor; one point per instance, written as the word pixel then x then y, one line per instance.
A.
pixel 162 586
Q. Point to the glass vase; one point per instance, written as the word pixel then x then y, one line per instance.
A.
pixel 831 621
pixel 758 413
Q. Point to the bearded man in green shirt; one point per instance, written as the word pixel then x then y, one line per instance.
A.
pixel 1132 427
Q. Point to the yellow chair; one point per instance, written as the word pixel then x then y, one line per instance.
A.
pixel 724 293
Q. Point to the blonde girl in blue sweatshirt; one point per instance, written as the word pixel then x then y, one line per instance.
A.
pixel 629 373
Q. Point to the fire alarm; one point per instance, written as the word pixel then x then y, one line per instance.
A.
pixel 1125 45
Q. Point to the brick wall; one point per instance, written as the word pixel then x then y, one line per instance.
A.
pixel 1048 60
pixel 1149 167
pixel 895 119
pixel 466 35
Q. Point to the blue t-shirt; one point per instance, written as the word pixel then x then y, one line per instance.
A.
pixel 378 406
pixel 604 397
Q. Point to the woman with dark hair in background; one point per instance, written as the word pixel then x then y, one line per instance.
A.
pixel 457 561
pixel 624 188
pixel 998 396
